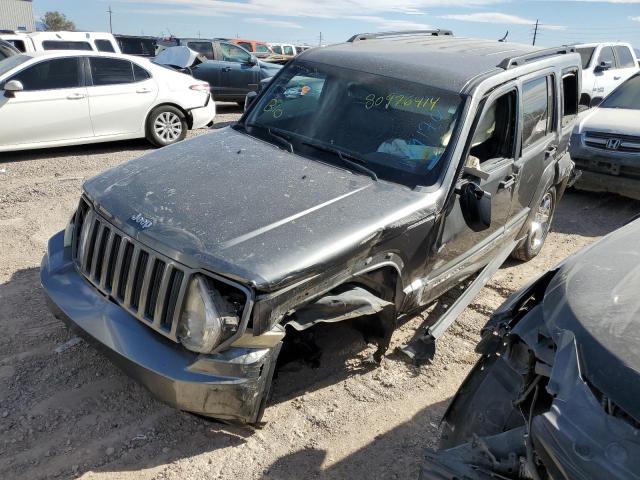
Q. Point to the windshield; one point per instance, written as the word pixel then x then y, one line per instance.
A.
pixel 585 53
pixel 10 63
pixel 626 95
pixel 398 129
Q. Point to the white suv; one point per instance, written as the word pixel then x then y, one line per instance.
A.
pixel 604 67
pixel 41 41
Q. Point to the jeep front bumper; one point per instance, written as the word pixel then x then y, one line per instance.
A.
pixel 232 385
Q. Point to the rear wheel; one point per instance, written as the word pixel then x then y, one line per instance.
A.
pixel 166 125
pixel 539 228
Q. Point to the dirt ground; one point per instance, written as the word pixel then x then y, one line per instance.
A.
pixel 73 414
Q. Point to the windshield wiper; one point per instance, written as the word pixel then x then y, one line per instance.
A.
pixel 350 159
pixel 281 139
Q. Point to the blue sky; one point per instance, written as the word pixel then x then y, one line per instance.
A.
pixel 561 22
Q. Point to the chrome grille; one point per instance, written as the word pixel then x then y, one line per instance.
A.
pixel 148 285
pixel 628 143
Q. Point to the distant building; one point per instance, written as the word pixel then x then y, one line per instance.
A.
pixel 17 15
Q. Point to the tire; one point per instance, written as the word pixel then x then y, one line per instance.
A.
pixel 166 125
pixel 539 227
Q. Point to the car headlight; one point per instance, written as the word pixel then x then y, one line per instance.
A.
pixel 208 317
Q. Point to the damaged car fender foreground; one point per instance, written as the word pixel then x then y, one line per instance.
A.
pixel 556 393
pixel 363 192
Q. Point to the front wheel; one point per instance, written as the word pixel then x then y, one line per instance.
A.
pixel 166 125
pixel 539 228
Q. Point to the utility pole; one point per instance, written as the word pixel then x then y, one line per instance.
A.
pixel 320 40
pixel 535 33
pixel 110 12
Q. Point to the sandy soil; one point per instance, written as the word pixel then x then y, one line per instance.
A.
pixel 73 414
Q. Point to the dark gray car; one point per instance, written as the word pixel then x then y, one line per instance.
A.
pixel 556 393
pixel 231 71
pixel 343 192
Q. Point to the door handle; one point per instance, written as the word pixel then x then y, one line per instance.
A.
pixel 143 90
pixel 226 69
pixel 76 96
pixel 508 182
pixel 550 151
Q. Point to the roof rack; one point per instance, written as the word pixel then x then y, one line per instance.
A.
pixel 401 33
pixel 518 60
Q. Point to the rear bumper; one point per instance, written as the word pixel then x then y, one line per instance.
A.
pixel 203 116
pixel 233 384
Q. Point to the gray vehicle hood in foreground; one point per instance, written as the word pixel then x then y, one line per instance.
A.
pixel 246 209
pixel 596 296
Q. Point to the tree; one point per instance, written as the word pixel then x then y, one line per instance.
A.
pixel 57 22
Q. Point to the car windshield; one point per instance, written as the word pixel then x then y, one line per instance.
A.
pixel 400 130
pixel 626 95
pixel 10 63
pixel 585 53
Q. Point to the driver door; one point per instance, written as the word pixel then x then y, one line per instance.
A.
pixel 489 163
pixel 239 75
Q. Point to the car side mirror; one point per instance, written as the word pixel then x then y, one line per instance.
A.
pixel 595 101
pixel 253 60
pixel 248 100
pixel 475 204
pixel 604 65
pixel 13 86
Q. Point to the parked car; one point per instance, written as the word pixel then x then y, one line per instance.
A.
pixel 40 41
pixel 68 98
pixel 259 49
pixel 142 46
pixel 285 49
pixel 232 73
pixel 604 67
pixel 555 395
pixel 359 191
pixel 7 50
pixel 606 143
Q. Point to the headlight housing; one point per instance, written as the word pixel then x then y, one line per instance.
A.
pixel 208 317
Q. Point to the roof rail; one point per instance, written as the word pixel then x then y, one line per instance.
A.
pixel 518 60
pixel 401 33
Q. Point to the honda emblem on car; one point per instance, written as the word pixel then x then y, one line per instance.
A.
pixel 613 144
pixel 141 221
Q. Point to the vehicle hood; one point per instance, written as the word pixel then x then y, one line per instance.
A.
pixel 611 120
pixel 595 295
pixel 246 209
pixel 179 57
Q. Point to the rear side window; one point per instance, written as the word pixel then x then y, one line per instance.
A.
pixel 50 75
pixel 606 55
pixel 537 110
pixel 585 54
pixel 65 45
pixel 625 59
pixel 277 49
pixel 19 44
pixel 569 97
pixel 110 71
pixel 204 48
pixel 288 50
pixel 246 46
pixel 140 73
pixel 105 46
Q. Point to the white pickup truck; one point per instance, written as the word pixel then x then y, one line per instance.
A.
pixel 40 41
pixel 604 67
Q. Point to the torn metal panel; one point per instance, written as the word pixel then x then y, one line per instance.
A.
pixel 348 303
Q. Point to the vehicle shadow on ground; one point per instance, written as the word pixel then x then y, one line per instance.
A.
pixel 599 213
pixel 52 153
pixel 394 454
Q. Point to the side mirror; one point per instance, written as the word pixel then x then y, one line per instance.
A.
pixel 604 65
pixel 595 101
pixel 475 204
pixel 248 100
pixel 253 60
pixel 13 86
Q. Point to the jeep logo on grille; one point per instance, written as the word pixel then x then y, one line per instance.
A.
pixel 141 221
pixel 613 144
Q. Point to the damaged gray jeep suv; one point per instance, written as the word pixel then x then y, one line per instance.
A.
pixel 364 181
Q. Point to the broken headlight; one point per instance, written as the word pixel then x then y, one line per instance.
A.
pixel 208 318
